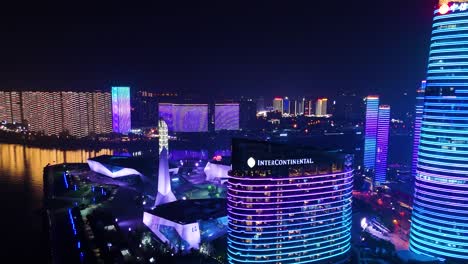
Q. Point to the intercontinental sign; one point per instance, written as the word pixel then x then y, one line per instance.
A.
pixel 251 162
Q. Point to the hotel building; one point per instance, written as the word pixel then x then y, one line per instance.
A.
pixel 288 204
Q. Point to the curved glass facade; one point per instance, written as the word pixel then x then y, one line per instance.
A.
pixel 294 214
pixel 440 211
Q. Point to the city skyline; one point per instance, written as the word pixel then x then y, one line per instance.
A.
pixel 227 133
pixel 284 56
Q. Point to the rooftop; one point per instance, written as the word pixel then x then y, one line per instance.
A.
pixel 191 211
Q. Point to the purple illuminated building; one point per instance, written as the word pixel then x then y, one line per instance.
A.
pixel 226 117
pixel 185 224
pixel 185 117
pixel 288 204
pixel 417 125
pixel 382 144
pixel 370 140
pixel 121 119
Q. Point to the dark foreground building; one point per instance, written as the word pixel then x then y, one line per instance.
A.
pixel 288 204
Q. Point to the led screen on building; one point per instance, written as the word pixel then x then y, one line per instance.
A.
pixel 185 117
pixel 226 117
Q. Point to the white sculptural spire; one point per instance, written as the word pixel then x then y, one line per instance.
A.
pixel 165 194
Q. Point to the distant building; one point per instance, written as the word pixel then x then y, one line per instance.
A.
pixel 145 106
pixel 383 128
pixel 247 114
pixel 301 106
pixel 43 112
pixel 288 204
pixel 261 104
pixel 308 108
pixel 370 139
pixel 348 107
pixel 293 107
pixel 278 104
pixel 286 106
pixel 121 115
pixel 10 107
pixel 78 114
pixel 227 116
pixel 184 117
pixel 321 107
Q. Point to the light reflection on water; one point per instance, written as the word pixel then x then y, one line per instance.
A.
pixel 21 191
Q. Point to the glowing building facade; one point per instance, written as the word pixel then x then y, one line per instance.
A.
pixel 227 116
pixel 321 107
pixel 383 128
pixel 288 205
pixel 121 118
pixel 417 125
pixel 79 114
pixel 278 104
pixel 370 140
pixel 185 117
pixel 440 210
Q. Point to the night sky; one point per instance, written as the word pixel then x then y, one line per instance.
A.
pixel 252 48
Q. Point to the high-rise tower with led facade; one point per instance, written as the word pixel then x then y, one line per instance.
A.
pixel 121 120
pixel 383 127
pixel 370 140
pixel 288 204
pixel 440 210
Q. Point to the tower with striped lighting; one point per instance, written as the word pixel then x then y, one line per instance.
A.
pixel 440 209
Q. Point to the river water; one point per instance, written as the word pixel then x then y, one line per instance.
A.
pixel 21 197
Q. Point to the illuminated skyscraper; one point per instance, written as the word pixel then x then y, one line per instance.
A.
pixel 300 106
pixel 286 105
pixel 370 140
pixel 321 107
pixel 51 113
pixel 5 106
pixel 308 108
pixel 163 132
pixel 417 125
pixel 383 128
pixel 42 111
pixel 278 104
pixel 439 224
pixel 121 119
pixel 102 112
pixel 288 205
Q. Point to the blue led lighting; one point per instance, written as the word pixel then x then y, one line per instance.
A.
pixel 440 212
pixel 65 180
pixel 370 139
pixel 382 144
pixel 296 219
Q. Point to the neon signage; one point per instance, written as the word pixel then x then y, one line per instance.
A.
pixel 444 9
